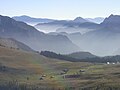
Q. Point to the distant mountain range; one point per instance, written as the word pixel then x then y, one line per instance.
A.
pixel 112 21
pixel 105 40
pixel 99 39
pixel 9 28
pixel 97 20
pixel 51 25
pixel 74 37
pixel 31 20
pixel 80 20
pixel 28 19
pixel 79 27
pixel 70 26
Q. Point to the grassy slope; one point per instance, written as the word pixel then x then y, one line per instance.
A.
pixel 23 64
pixel 30 65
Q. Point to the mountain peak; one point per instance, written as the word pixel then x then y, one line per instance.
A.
pixel 77 18
pixel 111 15
pixel 80 20
pixel 112 20
pixel 114 17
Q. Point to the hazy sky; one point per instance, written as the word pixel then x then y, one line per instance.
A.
pixel 60 9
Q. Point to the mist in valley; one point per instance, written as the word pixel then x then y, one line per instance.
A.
pixel 59 45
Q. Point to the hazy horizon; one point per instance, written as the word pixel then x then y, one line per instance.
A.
pixel 59 9
pixel 57 18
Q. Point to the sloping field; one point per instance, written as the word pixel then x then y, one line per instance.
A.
pixel 34 69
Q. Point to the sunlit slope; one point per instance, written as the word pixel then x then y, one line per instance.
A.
pixel 24 60
pixel 20 65
pixel 14 44
pixel 27 67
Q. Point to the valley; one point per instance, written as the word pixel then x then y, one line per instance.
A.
pixel 75 55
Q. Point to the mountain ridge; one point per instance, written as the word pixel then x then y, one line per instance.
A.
pixel 31 20
pixel 80 20
pixel 14 44
pixel 9 28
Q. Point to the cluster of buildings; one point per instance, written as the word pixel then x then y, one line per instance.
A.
pixel 113 63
